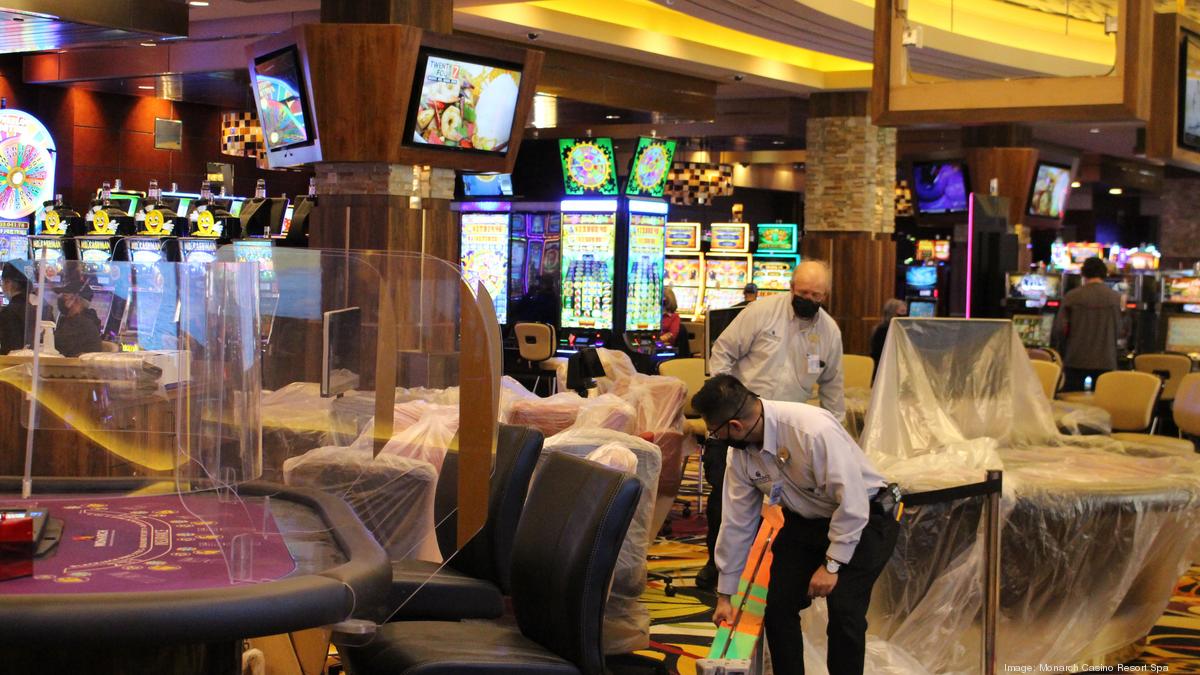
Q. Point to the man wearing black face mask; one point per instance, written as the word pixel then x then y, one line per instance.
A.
pixel 78 328
pixel 839 526
pixel 781 347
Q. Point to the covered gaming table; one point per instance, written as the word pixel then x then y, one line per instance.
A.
pixel 148 583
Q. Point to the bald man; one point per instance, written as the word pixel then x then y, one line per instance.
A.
pixel 779 348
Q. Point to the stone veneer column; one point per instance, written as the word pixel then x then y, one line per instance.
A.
pixel 1179 224
pixel 850 209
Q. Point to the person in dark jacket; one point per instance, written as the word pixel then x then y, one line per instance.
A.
pixel 12 317
pixel 1088 326
pixel 891 309
pixel 78 328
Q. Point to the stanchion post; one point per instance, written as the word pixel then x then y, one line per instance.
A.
pixel 991 574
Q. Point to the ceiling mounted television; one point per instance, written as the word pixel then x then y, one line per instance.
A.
pixel 1051 185
pixel 462 103
pixel 280 95
pixel 487 184
pixel 940 187
pixel 1189 93
pixel 589 166
pixel 650 167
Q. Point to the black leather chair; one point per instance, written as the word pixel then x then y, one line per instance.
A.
pixel 472 584
pixel 563 557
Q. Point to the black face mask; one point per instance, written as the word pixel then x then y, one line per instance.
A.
pixel 62 305
pixel 742 443
pixel 805 308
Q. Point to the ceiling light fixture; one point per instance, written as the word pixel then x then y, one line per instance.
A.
pixel 199 3
pixel 777 142
pixel 612 117
pixel 1094 130
pixel 1115 191
pixel 1076 184
pixel 148 44
pixel 146 86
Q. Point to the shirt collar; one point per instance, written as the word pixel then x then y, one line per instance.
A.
pixel 770 442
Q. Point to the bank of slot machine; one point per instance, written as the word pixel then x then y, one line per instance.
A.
pixel 684 265
pixel 484 254
pixel 155 226
pixel 776 257
pixel 589 228
pixel 726 265
pixel 110 217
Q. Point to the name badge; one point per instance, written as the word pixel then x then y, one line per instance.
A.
pixel 776 494
pixel 814 364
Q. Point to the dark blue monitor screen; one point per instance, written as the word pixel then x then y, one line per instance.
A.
pixel 487 184
pixel 921 276
pixel 940 187
pixel 919 309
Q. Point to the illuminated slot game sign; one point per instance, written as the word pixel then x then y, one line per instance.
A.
pixel 589 242
pixel 730 238
pixel 1181 289
pixel 145 250
pixel 49 249
pixel 485 255
pixel 776 258
pixel 197 250
pixel 941 250
pixel 14 241
pixel 589 167
pixel 643 309
pixel 1034 290
pixel 650 167
pixel 683 237
pixel 26 164
pixel 94 249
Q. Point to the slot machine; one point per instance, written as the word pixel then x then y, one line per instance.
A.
pixel 155 227
pixel 684 265
pixel 55 241
pixel 776 257
pixel 640 293
pixel 484 250
pixel 1033 300
pixel 262 217
pixel 1179 299
pixel 105 221
pixel 726 265
pixel 207 229
pixel 588 218
pixel 294 229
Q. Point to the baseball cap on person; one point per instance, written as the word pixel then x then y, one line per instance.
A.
pixel 12 274
pixel 750 288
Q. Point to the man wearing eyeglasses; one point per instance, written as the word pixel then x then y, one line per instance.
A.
pixel 781 347
pixel 839 527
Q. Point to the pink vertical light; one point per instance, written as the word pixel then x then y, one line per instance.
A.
pixel 970 246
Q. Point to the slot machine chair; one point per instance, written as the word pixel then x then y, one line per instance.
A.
pixel 1050 375
pixel 1171 367
pixel 1129 397
pixel 472 583
pixel 857 370
pixel 537 344
pixel 571 530
pixel 1185 410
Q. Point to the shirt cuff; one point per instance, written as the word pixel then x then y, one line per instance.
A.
pixel 841 552
pixel 728 583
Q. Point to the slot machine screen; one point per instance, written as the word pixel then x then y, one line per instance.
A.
pixel 643 309
pixel 588 248
pixel 14 247
pixel 487 184
pixel 683 236
pixel 1181 289
pixel 727 273
pixel 683 271
pixel 49 249
pixel 687 297
pixel 145 251
pixel 287 220
pixel 94 250
pixel 730 237
pixel 773 274
pixel 485 255
pixel 922 309
pixel 198 250
pixel 1183 334
pixel 722 298
pixel 1033 289
pixel 1034 329
pixel 921 277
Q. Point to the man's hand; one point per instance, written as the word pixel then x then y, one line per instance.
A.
pixel 724 611
pixel 821 585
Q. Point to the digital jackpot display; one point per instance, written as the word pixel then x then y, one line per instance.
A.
pixel 485 255
pixel 643 308
pixel 588 247
pixel 589 166
pixel 650 168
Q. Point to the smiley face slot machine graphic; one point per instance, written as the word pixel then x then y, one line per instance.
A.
pixel 589 225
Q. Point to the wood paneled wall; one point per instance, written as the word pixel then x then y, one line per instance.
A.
pixel 1013 170
pixel 864 277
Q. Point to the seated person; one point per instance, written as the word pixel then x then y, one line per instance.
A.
pixel 12 317
pixel 78 329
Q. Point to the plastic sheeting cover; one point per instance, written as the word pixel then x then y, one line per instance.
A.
pixel 1094 533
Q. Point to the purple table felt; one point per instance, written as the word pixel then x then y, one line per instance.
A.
pixel 149 543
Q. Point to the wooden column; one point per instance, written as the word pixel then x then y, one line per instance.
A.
pixel 435 15
pixel 849 211
pixel 1001 151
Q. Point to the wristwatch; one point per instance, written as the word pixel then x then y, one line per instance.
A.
pixel 832 566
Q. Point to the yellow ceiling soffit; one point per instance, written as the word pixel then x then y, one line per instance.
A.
pixel 1018 36
pixel 733 52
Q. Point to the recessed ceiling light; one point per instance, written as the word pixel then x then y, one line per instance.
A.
pixel 612 117
pixel 1115 191
pixel 146 86
pixel 1094 130
pixel 148 44
pixel 199 3
pixel 777 142
pixel 1076 184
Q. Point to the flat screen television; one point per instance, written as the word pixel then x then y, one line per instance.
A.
pixel 487 184
pixel 281 97
pixel 341 362
pixel 1189 92
pixel 922 309
pixel 650 167
pixel 589 166
pixel 921 276
pixel 940 187
pixel 1183 334
pixel 1051 185
pixel 462 103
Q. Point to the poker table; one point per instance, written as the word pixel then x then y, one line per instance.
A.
pixel 174 582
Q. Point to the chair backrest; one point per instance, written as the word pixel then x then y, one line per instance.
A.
pixel 1186 408
pixel 571 530
pixel 488 555
pixel 1037 354
pixel 695 336
pixel 535 341
pixel 1170 367
pixel 857 371
pixel 691 371
pixel 1049 374
pixel 1054 355
pixel 1129 397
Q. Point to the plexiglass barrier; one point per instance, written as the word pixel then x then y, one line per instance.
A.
pixel 191 403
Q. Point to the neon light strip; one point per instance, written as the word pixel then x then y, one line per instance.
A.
pixel 588 205
pixel 970 246
pixel 643 206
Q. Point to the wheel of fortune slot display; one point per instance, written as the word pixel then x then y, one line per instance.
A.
pixel 26 164
pixel 282 113
pixel 589 165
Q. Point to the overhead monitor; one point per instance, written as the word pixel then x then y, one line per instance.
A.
pixel 487 184
pixel 650 167
pixel 940 187
pixel 341 361
pixel 1051 185
pixel 589 166
pixel 1189 93
pixel 463 103
pixel 778 238
pixel 281 99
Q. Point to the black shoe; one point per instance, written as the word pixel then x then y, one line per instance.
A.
pixel 706 578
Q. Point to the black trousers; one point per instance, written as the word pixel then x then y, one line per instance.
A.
pixel 1073 378
pixel 798 551
pixel 714 456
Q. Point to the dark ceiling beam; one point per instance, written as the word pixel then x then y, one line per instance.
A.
pixel 164 18
pixel 777 117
